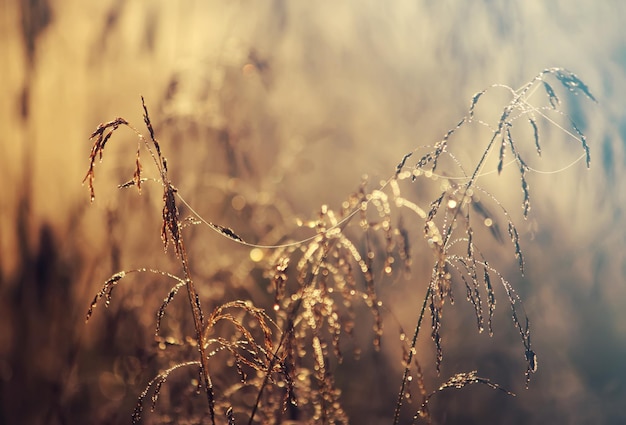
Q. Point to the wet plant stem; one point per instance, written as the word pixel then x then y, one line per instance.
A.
pixel 194 302
pixel 407 369
pixel 469 184
pixel 290 320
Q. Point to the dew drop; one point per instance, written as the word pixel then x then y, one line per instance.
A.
pixel 256 255
pixel 238 202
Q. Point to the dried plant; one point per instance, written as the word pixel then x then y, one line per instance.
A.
pixel 285 356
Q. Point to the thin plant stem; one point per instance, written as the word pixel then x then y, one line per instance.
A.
pixel 407 369
pixel 194 302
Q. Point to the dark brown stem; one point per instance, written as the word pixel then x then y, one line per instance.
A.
pixel 407 369
pixel 194 302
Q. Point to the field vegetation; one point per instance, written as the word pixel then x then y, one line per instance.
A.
pixel 294 214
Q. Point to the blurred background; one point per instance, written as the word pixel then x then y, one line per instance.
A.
pixel 267 110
